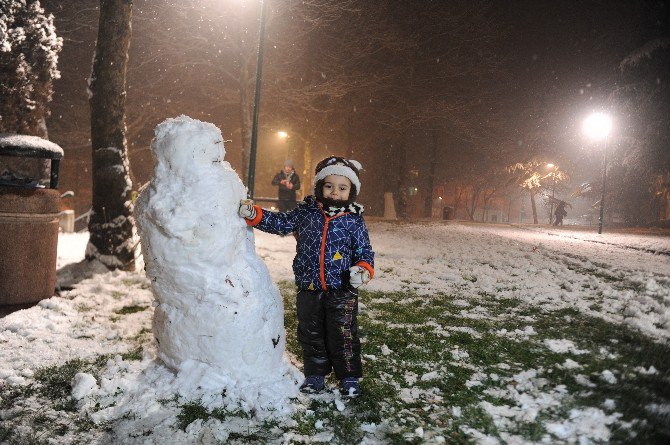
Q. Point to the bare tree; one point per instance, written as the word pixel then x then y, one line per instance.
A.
pixel 111 226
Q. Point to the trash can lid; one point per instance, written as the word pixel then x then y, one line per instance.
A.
pixel 12 144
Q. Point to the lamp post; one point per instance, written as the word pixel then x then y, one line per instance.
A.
pixel 598 126
pixel 257 100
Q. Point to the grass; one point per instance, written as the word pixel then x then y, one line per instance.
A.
pixel 130 309
pixel 421 336
pixel 434 366
pixel 58 413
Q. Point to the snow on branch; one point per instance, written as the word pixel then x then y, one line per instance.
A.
pixel 644 52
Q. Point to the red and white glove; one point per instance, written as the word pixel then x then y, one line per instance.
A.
pixel 358 276
pixel 247 210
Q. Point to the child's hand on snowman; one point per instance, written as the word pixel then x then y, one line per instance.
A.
pixel 358 276
pixel 247 210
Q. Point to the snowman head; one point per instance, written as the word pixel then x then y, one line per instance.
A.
pixel 186 146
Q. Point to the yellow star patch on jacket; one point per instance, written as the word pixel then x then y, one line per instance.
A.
pixel 337 256
pixel 311 286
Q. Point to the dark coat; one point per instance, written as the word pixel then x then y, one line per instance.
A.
pixel 327 245
pixel 285 193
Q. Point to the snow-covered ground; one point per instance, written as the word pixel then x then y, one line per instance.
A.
pixel 612 277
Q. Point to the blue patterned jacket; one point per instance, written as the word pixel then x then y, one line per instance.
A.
pixel 328 242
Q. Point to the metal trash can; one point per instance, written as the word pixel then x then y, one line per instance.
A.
pixel 28 223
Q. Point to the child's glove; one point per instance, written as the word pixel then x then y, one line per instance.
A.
pixel 247 210
pixel 358 276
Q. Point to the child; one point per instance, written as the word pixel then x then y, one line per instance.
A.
pixel 333 259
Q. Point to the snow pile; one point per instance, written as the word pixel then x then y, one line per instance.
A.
pixel 219 317
pixel 562 346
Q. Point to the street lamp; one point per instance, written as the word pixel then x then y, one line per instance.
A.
pixel 257 100
pixel 597 126
pixel 283 135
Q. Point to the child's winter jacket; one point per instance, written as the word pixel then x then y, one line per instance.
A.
pixel 327 245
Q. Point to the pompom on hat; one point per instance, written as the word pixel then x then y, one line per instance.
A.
pixel 335 165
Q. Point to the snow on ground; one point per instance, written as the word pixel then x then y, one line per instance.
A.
pixel 616 283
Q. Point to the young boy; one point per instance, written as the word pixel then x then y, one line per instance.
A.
pixel 333 259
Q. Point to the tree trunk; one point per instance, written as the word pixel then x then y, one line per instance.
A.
pixel 399 162
pixel 509 208
pixel 533 206
pixel 111 225
pixel 307 172
pixel 475 197
pixel 487 199
pixel 428 203
pixel 458 192
pixel 350 129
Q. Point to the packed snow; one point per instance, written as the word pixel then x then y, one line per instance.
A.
pixel 218 316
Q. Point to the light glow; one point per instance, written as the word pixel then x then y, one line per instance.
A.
pixel 597 126
pixel 282 134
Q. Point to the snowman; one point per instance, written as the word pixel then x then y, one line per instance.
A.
pixel 216 307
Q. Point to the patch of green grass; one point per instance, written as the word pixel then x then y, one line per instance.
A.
pixel 250 437
pixel 194 410
pixel 81 307
pixel 5 433
pixel 190 412
pixel 134 355
pixel 9 395
pixel 171 401
pixel 130 309
pixel 289 294
pixel 55 382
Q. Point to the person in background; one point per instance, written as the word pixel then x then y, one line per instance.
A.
pixel 333 259
pixel 560 213
pixel 288 182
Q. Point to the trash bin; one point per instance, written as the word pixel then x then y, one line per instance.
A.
pixel 28 223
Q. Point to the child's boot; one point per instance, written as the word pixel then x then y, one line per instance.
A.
pixel 350 387
pixel 313 384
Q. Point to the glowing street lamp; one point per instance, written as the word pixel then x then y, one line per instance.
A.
pixel 283 135
pixel 597 126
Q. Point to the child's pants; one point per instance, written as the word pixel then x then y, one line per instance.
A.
pixel 328 332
